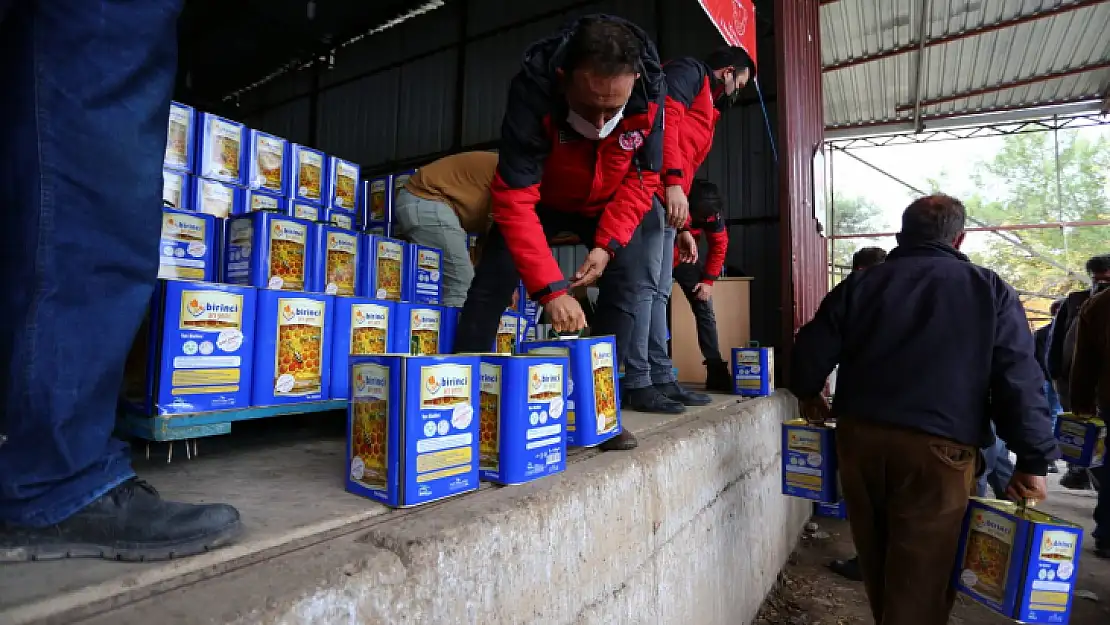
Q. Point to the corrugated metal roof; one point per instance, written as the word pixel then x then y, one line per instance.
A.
pixel 979 56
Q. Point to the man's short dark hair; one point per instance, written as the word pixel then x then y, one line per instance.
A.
pixel 705 199
pixel 935 218
pixel 1098 264
pixel 867 257
pixel 606 46
pixel 730 56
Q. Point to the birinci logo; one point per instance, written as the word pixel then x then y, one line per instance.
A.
pixel 428 259
pixel 989 525
pixel 444 383
pixel 207 310
pixel 288 231
pixel 184 226
pixel 370 381
pixel 198 309
pixel 370 316
pixel 306 312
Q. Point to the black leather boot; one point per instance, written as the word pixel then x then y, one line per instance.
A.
pixel 717 376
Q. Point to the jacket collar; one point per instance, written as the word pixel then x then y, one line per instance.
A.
pixel 934 249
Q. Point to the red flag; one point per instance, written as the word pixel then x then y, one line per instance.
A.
pixel 735 20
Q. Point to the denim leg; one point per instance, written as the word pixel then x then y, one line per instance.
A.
pixel 999 474
pixel 688 275
pixel 84 110
pixel 435 224
pixel 620 292
pixel 643 276
pixel 662 371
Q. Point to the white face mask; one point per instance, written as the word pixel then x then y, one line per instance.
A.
pixel 591 132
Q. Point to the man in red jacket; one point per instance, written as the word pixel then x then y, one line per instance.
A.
pixel 695 90
pixel 581 150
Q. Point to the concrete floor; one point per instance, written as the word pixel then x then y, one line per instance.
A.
pixel 285 477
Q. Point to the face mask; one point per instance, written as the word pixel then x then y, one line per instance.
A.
pixel 591 132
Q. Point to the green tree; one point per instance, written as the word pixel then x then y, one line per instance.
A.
pixel 851 215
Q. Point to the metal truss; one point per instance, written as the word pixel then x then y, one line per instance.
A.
pixel 1002 129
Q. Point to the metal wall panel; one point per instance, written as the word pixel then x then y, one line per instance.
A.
pixel 290 120
pixel 484 16
pixel 426 118
pixel 755 250
pixel 358 120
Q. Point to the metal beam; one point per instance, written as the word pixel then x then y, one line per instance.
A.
pixel 931 135
pixel 1001 114
pixel 1007 228
pixel 919 84
pixel 1024 82
pixel 1016 21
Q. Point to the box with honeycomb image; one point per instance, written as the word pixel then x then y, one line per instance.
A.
pixel 177 190
pixel 523 417
pixel 219 199
pixel 268 163
pixel 308 174
pixel 377 200
pixel 222 155
pixel 270 251
pixel 180 134
pixel 593 396
pixel 293 348
pixel 342 184
pixel 509 331
pixel 338 257
pixel 382 273
pixel 360 327
pixel 412 429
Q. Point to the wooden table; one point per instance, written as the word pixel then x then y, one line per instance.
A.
pixel 732 308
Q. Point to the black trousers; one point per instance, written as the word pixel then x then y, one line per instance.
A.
pixel 687 275
pixel 496 276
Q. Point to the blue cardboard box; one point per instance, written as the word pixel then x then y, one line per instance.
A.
pixel 753 371
pixel 809 462
pixel 222 152
pixel 423 276
pixel 256 200
pixel 1082 441
pixel 217 198
pixel 593 395
pixel 305 211
pixel 510 334
pixel 292 348
pixel 309 174
pixel 361 327
pixel 268 164
pixel 342 184
pixel 1018 562
pixel 339 218
pixel 197 352
pixel 177 189
pixel 831 510
pixel 422 330
pixel 270 251
pixel 522 418
pixel 412 431
pixel 383 268
pixel 188 245
pixel 180 138
pixel 377 201
pixel 338 258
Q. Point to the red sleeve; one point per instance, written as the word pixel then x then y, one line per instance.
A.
pixel 715 258
pixel 685 80
pixel 623 214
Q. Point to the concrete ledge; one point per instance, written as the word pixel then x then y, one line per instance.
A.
pixel 689 528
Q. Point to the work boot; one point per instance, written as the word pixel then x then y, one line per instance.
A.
pixel 1076 478
pixel 848 569
pixel 717 376
pixel 649 399
pixel 674 392
pixel 130 522
pixel 624 441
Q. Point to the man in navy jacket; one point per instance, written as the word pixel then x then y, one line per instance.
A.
pixel 925 342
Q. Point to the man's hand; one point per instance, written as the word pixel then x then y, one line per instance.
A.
pixel 566 314
pixel 1027 488
pixel 703 291
pixel 678 207
pixel 815 410
pixel 591 268
pixel 687 247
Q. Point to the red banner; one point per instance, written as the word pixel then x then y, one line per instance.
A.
pixel 735 20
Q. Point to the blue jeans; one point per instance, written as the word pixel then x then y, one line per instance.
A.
pixel 998 470
pixel 1053 402
pixel 647 362
pixel 83 115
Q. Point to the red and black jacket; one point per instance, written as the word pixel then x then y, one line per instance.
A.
pixel 716 233
pixel 691 119
pixel 543 161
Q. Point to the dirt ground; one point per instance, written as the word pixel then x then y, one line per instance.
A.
pixel 808 593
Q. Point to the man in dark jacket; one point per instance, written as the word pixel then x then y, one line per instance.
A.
pixel 1041 338
pixel 581 149
pixel 1061 346
pixel 923 340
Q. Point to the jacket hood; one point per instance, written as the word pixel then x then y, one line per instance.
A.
pixel 543 57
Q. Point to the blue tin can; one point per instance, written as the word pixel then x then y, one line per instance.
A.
pixel 529 309
pixel 383 270
pixel 180 138
pixel 836 510
pixel 177 189
pixel 339 218
pixel 222 153
pixel 753 371
pixel 292 348
pixel 198 353
pixel 270 251
pixel 309 174
pixel 1017 562
pixel 338 258
pixel 809 462
pixel 361 327
pixel 377 201
pixel 1082 441
pixel 593 404
pixel 379 229
pixel 188 245
pixel 268 164
pixel 399 180
pixel 305 211
pixel 422 329
pixel 412 431
pixel 423 276
pixel 216 198
pixel 510 334
pixel 342 184
pixel 256 200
